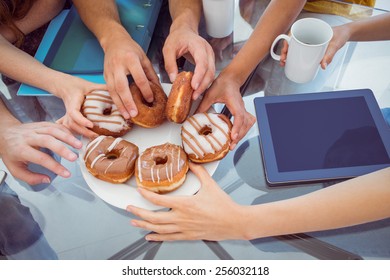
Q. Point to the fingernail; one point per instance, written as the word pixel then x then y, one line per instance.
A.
pixel 89 125
pixel 125 114
pixel 133 113
pixel 196 86
pixel 234 137
pixel 133 223
pixel 65 173
pixel 128 208
pixel 172 77
pixel 148 238
pixel 78 143
pixel 72 156
pixel 232 146
pixel 46 180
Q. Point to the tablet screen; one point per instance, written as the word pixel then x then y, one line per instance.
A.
pixel 321 136
pixel 324 134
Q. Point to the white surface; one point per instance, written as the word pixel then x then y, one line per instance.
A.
pixel 121 195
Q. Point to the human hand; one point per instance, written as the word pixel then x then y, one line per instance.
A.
pixel 210 214
pixel 20 144
pixel 72 91
pixel 226 90
pixel 122 57
pixel 183 41
pixel 340 37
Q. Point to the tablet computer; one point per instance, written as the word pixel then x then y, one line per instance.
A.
pixel 323 136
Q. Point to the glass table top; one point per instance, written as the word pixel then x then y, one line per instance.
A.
pixel 74 223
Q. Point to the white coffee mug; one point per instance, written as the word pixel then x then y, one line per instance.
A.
pixel 219 16
pixel 307 42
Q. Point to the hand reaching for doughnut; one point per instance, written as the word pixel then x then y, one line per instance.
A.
pixel 183 41
pixel 210 214
pixel 123 56
pixel 20 144
pixel 226 90
pixel 72 91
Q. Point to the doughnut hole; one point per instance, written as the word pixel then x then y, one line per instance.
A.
pixel 113 155
pixel 146 103
pixel 161 160
pixel 107 111
pixel 206 130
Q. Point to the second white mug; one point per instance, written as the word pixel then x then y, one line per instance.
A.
pixel 307 45
pixel 219 16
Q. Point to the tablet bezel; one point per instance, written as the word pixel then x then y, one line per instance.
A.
pixel 276 178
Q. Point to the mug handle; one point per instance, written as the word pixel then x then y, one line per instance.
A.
pixel 277 39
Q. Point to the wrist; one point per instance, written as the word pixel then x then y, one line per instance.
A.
pixel 114 33
pixel 186 20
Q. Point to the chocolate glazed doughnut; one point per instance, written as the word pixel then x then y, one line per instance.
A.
pixel 149 114
pixel 111 159
pixel 161 168
pixel 180 98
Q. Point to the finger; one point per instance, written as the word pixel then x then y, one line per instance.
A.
pixel 158 199
pixel 170 62
pixel 125 102
pixel 151 216
pixel 208 77
pixel 51 143
pixel 205 104
pixel 328 57
pixel 43 159
pixel 166 228
pixel 79 119
pixel 150 73
pixel 31 178
pixel 200 172
pixel 168 237
pixel 81 130
pixel 61 133
pixel 143 83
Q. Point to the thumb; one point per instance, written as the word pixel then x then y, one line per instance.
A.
pixel 200 172
pixel 205 104
pixel 328 57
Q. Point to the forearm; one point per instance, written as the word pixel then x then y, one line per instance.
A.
pixel 356 201
pixel 101 17
pixel 276 19
pixel 185 13
pixel 22 67
pixel 370 29
pixel 6 120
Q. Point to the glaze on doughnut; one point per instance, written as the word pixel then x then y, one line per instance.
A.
pixel 111 159
pixel 206 137
pixel 180 98
pixel 99 108
pixel 161 168
pixel 149 114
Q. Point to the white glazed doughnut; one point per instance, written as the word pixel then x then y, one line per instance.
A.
pixel 99 108
pixel 206 137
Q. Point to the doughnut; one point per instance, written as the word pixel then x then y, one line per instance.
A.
pixel 99 108
pixel 149 114
pixel 180 98
pixel 111 159
pixel 206 137
pixel 161 168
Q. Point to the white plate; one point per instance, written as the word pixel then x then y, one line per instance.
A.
pixel 121 195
